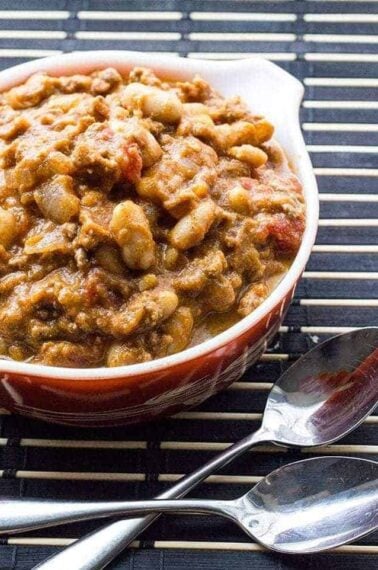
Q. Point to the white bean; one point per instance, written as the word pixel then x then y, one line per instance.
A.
pixel 167 301
pixel 132 232
pixel 252 155
pixel 57 200
pixel 243 132
pixel 179 326
pixel 239 199
pixel 193 227
pixel 161 105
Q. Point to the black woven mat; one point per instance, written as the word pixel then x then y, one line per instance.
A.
pixel 332 46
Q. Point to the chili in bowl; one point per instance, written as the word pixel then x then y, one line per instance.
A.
pixel 152 229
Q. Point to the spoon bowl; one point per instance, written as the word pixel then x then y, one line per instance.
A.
pixel 307 506
pixel 312 505
pixel 327 393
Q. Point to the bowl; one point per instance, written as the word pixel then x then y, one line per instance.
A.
pixel 140 392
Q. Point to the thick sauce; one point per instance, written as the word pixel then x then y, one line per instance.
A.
pixel 137 217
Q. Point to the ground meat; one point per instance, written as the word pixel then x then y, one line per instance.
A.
pixel 182 177
pixel 252 298
pixel 138 216
pixel 72 355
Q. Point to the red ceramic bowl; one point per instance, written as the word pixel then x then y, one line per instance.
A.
pixel 127 394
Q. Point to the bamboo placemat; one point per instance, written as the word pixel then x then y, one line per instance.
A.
pixel 332 46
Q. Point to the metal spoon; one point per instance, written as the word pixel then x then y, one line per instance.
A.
pixel 307 506
pixel 323 396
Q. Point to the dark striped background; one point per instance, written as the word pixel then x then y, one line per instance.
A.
pixel 332 46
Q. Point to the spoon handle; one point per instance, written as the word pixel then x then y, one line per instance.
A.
pixel 94 551
pixel 21 515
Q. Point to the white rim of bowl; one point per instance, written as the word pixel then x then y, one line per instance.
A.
pixel 83 60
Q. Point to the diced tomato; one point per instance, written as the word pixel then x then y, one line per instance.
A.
pixel 249 183
pixel 133 164
pixel 90 289
pixel 258 190
pixel 285 232
pixel 126 153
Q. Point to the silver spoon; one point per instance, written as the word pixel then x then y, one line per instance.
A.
pixel 307 506
pixel 313 403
